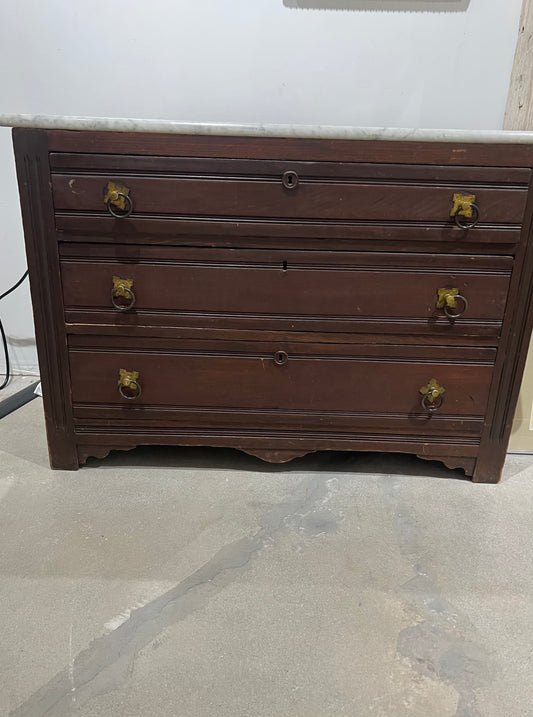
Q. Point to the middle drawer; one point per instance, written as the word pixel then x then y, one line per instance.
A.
pixel 291 291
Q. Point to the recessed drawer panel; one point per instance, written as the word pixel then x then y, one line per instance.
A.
pixel 312 380
pixel 291 198
pixel 326 291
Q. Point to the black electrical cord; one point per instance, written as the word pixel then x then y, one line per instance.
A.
pixel 3 333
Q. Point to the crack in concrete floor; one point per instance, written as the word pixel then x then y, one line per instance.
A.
pixel 108 661
pixel 441 645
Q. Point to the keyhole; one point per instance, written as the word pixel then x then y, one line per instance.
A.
pixel 290 179
pixel 281 357
pixel 284 266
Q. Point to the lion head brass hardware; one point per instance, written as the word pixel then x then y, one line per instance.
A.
pixel 432 398
pixel 122 288
pixel 464 205
pixel 280 358
pixel 290 180
pixel 447 299
pixel 129 382
pixel 117 197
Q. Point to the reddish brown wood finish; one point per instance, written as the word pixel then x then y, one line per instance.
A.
pixel 318 291
pixel 43 264
pixel 393 236
pixel 315 378
pixel 328 150
pixel 63 162
pixel 230 267
pixel 310 200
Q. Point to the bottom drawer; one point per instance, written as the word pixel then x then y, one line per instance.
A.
pixel 287 386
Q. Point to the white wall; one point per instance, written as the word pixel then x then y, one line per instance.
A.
pixel 415 64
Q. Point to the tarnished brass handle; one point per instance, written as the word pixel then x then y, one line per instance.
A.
pixel 122 288
pixel 432 398
pixel 465 206
pixel 129 381
pixel 470 225
pixel 448 299
pixel 117 197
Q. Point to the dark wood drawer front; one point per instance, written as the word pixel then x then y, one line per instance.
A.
pixel 309 200
pixel 326 291
pixel 202 166
pixel 278 295
pixel 314 379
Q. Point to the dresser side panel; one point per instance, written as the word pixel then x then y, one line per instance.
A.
pixel 511 360
pixel 31 156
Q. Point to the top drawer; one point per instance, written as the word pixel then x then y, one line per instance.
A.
pixel 181 194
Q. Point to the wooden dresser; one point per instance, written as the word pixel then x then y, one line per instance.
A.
pixel 276 295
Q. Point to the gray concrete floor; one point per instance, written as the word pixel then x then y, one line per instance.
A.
pixel 205 583
pixel 15 384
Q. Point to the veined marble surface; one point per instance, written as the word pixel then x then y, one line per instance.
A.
pixel 117 124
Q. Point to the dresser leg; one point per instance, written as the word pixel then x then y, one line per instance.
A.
pixel 489 467
pixel 62 452
pixel 42 251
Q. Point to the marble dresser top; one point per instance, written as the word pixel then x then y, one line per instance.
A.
pixel 264 130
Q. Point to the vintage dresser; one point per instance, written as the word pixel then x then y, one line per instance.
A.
pixel 279 295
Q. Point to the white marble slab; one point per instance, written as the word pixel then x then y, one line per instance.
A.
pixel 116 124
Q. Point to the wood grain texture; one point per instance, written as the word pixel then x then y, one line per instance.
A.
pixel 272 148
pixel 510 362
pixel 31 151
pixel 248 442
pixel 310 200
pixel 321 291
pixel 261 333
pixel 205 231
pixel 279 422
pixel 509 369
pixel 62 163
pixel 319 383
pixel 230 269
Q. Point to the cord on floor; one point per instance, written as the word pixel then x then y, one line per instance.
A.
pixel 3 333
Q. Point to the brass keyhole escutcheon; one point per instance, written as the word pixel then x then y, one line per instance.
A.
pixel 128 384
pixel 432 396
pixel 280 358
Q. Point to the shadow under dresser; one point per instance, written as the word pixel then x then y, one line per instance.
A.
pixel 278 295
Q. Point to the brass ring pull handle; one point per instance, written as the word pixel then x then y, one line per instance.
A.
pixel 465 206
pixel 117 197
pixel 459 313
pixel 448 300
pixel 128 202
pixel 128 384
pixel 432 398
pixel 290 180
pixel 475 211
pixel 281 358
pixel 122 288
